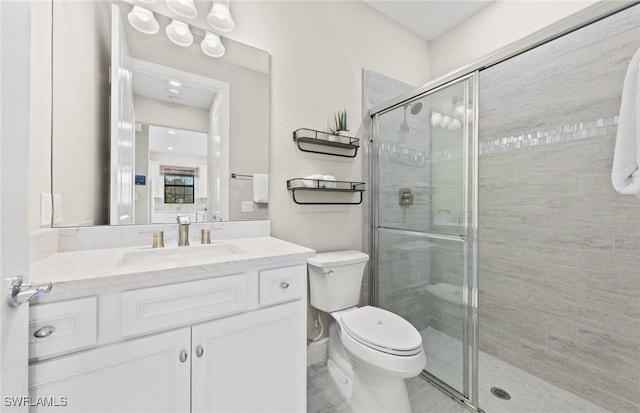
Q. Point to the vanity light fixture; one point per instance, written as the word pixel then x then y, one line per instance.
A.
pixel 178 32
pixel 184 8
pixel 143 20
pixel 220 17
pixel 211 45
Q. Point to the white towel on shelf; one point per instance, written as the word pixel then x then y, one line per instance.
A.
pixel 625 174
pixel 261 188
pixel 311 181
pixel 331 185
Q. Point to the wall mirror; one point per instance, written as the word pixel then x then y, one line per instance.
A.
pixel 143 129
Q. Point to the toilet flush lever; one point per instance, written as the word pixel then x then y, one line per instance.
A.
pixel 329 273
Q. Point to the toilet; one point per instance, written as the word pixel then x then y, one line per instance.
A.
pixel 371 350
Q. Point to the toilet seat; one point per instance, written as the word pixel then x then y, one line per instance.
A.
pixel 382 330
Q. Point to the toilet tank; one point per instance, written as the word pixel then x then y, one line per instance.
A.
pixel 335 279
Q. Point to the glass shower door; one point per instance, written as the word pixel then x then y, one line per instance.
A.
pixel 424 225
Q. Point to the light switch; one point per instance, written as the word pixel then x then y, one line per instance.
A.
pixel 45 209
pixel 57 208
pixel 247 206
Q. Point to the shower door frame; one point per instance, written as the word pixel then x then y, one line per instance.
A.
pixel 573 22
pixel 469 394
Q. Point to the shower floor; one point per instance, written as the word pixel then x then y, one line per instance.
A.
pixel 528 392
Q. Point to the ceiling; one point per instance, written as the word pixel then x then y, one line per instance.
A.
pixel 428 18
pixel 183 142
pixel 158 87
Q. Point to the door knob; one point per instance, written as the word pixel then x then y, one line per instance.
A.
pixel 20 293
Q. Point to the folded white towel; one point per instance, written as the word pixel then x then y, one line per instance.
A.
pixel 328 184
pixel 625 174
pixel 261 188
pixel 311 180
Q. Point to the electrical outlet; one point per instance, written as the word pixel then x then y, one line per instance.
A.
pixel 247 206
pixel 57 208
pixel 45 209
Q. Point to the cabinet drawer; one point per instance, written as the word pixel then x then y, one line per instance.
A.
pixel 152 309
pixel 62 326
pixel 282 284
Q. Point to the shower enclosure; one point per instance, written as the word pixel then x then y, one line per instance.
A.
pixel 494 228
pixel 424 210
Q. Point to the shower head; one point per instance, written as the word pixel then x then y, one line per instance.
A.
pixel 416 108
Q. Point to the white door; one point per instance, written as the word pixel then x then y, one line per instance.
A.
pixel 253 362
pixel 122 126
pixel 149 374
pixel 14 136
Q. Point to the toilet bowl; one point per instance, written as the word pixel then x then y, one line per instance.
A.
pixel 371 350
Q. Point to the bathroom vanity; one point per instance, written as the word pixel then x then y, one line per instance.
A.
pixel 204 328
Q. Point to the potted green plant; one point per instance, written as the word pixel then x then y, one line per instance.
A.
pixel 340 128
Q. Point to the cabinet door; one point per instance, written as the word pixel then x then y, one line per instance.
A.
pixel 142 375
pixel 253 362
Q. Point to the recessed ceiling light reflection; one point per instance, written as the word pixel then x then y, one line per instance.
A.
pixel 173 91
pixel 169 148
pixel 178 32
pixel 212 45
pixel 171 132
pixel 175 83
pixel 184 8
pixel 143 20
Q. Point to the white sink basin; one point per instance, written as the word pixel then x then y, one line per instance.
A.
pixel 179 255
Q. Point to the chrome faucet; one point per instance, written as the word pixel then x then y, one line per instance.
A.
pixel 183 230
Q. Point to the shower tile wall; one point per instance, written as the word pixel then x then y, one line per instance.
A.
pixel 421 278
pixel 376 89
pixel 559 248
pixel 404 259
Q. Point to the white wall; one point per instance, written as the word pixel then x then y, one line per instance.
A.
pixel 495 26
pixel 318 52
pixel 160 113
pixel 141 200
pixel 83 181
pixel 40 111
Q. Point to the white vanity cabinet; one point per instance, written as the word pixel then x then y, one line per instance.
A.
pixel 141 375
pixel 231 342
pixel 250 362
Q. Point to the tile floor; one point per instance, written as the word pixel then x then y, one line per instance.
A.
pixel 528 392
pixel 323 396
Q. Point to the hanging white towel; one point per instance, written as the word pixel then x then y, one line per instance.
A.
pixel 261 188
pixel 625 174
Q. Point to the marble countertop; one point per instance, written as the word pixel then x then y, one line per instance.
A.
pixel 93 268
